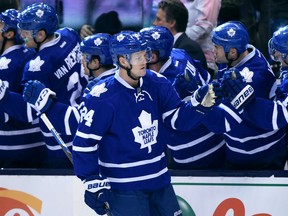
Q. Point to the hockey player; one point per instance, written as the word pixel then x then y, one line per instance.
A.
pixel 194 149
pixel 247 145
pixel 98 65
pixel 267 114
pixel 57 65
pixel 21 144
pixel 278 50
pixel 118 150
pixel 232 49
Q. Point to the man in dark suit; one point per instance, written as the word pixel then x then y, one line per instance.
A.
pixel 174 15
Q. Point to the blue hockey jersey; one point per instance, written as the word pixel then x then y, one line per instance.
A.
pixel 58 66
pixel 198 148
pixel 183 61
pixel 257 72
pixel 249 146
pixel 122 135
pixel 21 143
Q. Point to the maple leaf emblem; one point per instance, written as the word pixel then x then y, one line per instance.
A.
pixel 97 90
pixel 98 41
pixel 231 32
pixel 4 62
pixel 156 35
pixel 147 134
pixel 39 13
pixel 247 74
pixel 35 65
pixel 120 37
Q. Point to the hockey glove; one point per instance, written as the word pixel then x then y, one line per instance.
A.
pixel 204 98
pixel 36 94
pixel 184 85
pixel 97 194
pixel 3 89
pixel 284 84
pixel 235 89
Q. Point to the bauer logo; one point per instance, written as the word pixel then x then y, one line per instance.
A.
pixel 13 202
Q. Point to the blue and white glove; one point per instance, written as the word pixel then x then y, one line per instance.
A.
pixel 3 89
pixel 204 98
pixel 40 97
pixel 185 85
pixel 97 194
pixel 235 89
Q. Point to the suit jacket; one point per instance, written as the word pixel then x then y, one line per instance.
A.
pixel 192 47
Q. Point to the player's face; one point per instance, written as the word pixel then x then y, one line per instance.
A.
pixel 277 56
pixel 2 25
pixel 138 61
pixel 27 36
pixel 219 54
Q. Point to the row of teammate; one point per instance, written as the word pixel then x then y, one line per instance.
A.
pixel 135 113
pixel 203 147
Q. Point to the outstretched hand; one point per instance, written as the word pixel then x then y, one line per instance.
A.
pixel 207 96
pixel 36 94
pixel 235 89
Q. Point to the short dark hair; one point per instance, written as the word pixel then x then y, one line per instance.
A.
pixel 175 10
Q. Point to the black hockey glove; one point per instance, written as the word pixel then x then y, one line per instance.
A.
pixel 97 194
pixel 36 94
pixel 185 85
pixel 235 89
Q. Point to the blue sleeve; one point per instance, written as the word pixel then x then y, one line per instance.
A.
pixel 16 107
pixel 64 118
pixel 269 115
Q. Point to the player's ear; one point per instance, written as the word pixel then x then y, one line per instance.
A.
pixel 95 62
pixel 9 34
pixel 154 57
pixel 41 35
pixel 232 53
pixel 123 61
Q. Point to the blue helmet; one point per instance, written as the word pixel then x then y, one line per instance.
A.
pixel 98 44
pixel 279 42
pixel 160 39
pixel 10 18
pixel 39 16
pixel 125 43
pixel 231 35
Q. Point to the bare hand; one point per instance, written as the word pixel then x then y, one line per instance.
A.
pixel 86 30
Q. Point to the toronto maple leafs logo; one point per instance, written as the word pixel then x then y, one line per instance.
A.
pixel 140 95
pixel 247 74
pixel 4 62
pixel 147 134
pixel 35 65
pixel 98 41
pixel 39 13
pixel 120 37
pixel 97 90
pixel 231 32
pixel 156 35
